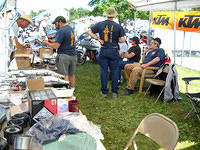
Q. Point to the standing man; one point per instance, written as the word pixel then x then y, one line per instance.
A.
pixel 153 56
pixel 64 43
pixel 23 21
pixel 110 34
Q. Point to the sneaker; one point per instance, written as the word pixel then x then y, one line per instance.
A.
pixel 114 95
pixel 127 92
pixel 103 95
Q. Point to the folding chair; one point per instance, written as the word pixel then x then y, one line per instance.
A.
pixel 158 128
pixel 194 98
pixel 158 82
pixel 146 76
pixel 150 76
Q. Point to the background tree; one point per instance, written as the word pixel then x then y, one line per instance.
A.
pixel 34 13
pixel 124 9
pixel 77 13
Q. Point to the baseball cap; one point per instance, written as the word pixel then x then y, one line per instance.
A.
pixel 158 40
pixel 136 39
pixel 58 19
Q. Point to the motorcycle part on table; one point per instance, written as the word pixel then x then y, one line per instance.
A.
pixel 22 142
pixel 4 144
pixel 24 117
pixel 18 122
pixel 10 132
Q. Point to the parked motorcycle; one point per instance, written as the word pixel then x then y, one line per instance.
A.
pixel 87 48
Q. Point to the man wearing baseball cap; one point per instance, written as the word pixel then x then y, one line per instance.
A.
pixel 110 34
pixel 132 55
pixel 64 43
pixel 153 56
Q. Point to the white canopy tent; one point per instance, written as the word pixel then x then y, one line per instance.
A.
pixel 158 5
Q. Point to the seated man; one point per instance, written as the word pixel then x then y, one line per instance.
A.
pixel 132 55
pixel 153 56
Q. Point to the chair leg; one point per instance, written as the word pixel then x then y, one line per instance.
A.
pixel 159 95
pixel 189 113
pixel 141 85
pixel 147 90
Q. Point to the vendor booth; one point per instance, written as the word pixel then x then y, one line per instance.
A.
pixel 168 5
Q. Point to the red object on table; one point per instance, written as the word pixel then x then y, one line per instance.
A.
pixel 74 106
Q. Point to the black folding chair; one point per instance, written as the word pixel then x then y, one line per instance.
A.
pixel 194 97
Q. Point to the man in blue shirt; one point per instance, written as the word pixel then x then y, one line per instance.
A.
pixel 110 34
pixel 153 56
pixel 64 43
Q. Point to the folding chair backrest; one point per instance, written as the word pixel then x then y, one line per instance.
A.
pixel 160 129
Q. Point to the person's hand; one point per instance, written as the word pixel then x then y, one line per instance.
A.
pixel 27 46
pixel 45 42
pixel 144 66
pixel 100 41
pixel 126 55
pixel 146 49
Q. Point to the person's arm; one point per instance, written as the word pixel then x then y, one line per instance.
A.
pixel 54 45
pixel 122 39
pixel 18 45
pixel 129 55
pixel 154 61
pixel 94 36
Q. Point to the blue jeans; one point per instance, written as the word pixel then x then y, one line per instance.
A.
pixel 122 65
pixel 109 58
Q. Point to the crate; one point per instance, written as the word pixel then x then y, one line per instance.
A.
pixel 23 61
pixel 43 51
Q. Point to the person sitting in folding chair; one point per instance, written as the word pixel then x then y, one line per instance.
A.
pixel 153 56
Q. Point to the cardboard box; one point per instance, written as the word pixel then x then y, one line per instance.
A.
pixel 43 51
pixel 23 61
pixel 39 99
pixel 23 51
pixel 36 84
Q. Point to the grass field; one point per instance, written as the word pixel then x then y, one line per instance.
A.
pixel 119 117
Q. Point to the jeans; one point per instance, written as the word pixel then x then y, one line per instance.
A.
pixel 109 58
pixel 121 66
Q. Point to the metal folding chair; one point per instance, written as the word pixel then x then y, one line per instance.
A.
pixel 194 98
pixel 160 129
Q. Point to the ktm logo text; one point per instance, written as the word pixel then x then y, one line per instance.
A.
pixel 161 20
pixel 190 21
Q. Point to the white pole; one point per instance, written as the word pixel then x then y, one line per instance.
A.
pixel 5 41
pixel 134 22
pixel 182 52
pixel 148 39
pixel 175 31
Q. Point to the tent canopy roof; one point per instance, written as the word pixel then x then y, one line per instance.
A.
pixel 156 5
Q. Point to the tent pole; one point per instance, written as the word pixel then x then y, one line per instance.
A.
pixel 182 52
pixel 5 40
pixel 134 22
pixel 175 32
pixel 148 39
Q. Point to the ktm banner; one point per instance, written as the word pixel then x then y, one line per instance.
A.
pixel 185 21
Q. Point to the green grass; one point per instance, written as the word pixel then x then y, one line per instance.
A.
pixel 118 118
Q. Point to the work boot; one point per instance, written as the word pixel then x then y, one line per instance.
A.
pixel 114 95
pixel 127 92
pixel 103 95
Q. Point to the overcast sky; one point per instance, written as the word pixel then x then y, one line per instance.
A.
pixel 28 5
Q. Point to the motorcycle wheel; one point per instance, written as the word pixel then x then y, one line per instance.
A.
pixel 81 58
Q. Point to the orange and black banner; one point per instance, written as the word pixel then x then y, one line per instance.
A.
pixel 185 21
